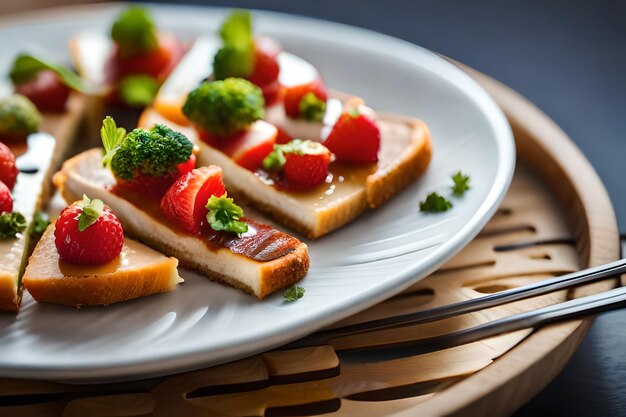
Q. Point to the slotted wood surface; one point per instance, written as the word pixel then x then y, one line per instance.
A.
pixel 557 197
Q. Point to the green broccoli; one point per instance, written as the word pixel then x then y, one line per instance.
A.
pixel 222 108
pixel 135 32
pixel 155 152
pixel 18 117
pixel 236 57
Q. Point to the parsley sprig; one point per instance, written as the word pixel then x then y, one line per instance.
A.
pixel 225 215
pixel 112 137
pixel 436 203
pixel 11 224
pixel 294 293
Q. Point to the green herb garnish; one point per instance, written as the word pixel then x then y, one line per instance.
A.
pixel 11 224
pixel 92 210
pixel 312 108
pixel 461 184
pixel 236 57
pixel 40 223
pixel 112 137
pixel 435 203
pixel 135 32
pixel 25 68
pixel 138 90
pixel 224 215
pixel 293 293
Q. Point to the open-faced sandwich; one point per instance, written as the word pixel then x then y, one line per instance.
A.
pixel 161 199
pixel 312 159
pixel 84 259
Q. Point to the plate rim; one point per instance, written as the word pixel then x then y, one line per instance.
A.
pixel 197 358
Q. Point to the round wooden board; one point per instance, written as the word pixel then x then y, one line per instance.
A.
pixel 556 218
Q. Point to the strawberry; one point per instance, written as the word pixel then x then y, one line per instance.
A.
pixel 88 232
pixel 293 96
pixel 184 203
pixel 155 187
pixel 46 91
pixel 8 170
pixel 303 163
pixel 158 63
pixel 6 202
pixel 354 138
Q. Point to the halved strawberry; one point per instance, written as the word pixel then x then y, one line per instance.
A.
pixel 247 148
pixel 6 202
pixel 184 203
pixel 354 138
pixel 8 170
pixel 293 96
pixel 155 187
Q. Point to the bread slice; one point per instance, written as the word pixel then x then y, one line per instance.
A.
pixel 405 154
pixel 270 259
pixel 138 271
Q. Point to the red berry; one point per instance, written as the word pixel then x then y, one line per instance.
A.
pixel 308 170
pixel 354 138
pixel 184 203
pixel 99 243
pixel 293 96
pixel 155 187
pixel 283 137
pixel 6 202
pixel 8 170
pixel 158 63
pixel 265 69
pixel 46 91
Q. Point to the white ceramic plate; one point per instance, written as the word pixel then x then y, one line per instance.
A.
pixel 375 257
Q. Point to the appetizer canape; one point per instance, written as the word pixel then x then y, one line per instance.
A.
pixel 20 198
pixel 184 212
pixel 313 160
pixel 129 66
pixel 84 260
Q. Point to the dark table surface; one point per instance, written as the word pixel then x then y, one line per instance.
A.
pixel 567 57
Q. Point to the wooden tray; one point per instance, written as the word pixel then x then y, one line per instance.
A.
pixel 556 218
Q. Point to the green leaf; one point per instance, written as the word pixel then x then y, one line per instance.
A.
pixel 92 210
pixel 135 32
pixel 138 90
pixel 11 224
pixel 293 293
pixel 112 137
pixel 435 203
pixel 25 68
pixel 312 108
pixel 40 223
pixel 236 57
pixel 274 161
pixel 224 215
pixel 461 183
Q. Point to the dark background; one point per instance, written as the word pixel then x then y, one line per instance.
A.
pixel 567 57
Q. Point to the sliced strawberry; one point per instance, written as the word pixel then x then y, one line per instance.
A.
pixel 247 148
pixel 354 138
pixel 283 137
pixel 293 96
pixel 6 202
pixel 266 68
pixel 155 187
pixel 158 63
pixel 307 168
pixel 271 92
pixel 184 203
pixel 46 91
pixel 8 170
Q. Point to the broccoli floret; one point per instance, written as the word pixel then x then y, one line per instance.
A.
pixel 222 108
pixel 155 152
pixel 134 32
pixel 18 116
pixel 236 57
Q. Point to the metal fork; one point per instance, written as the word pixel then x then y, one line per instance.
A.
pixel 578 307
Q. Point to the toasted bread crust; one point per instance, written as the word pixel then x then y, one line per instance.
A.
pixel 274 275
pixel 123 285
pixel 410 165
pixel 10 294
